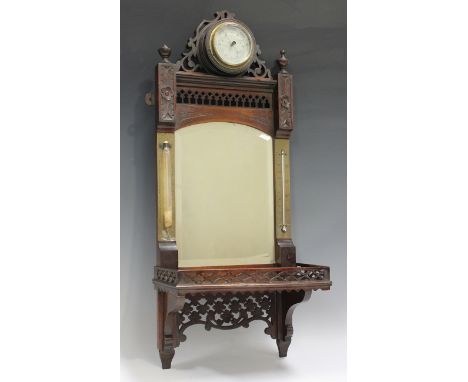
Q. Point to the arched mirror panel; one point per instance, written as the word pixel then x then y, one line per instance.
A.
pixel 224 195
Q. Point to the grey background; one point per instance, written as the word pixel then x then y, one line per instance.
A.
pixel 314 36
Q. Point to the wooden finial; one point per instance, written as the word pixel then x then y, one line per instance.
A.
pixel 165 52
pixel 282 61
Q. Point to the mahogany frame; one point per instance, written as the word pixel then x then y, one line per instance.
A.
pixel 227 297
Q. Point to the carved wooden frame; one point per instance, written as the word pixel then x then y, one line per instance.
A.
pixel 225 297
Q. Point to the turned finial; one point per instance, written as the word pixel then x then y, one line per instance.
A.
pixel 282 61
pixel 165 52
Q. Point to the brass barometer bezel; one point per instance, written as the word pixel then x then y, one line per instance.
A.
pixel 211 57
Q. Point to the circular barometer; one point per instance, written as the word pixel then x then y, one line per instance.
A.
pixel 229 47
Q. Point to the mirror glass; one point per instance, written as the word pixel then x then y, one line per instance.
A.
pixel 224 195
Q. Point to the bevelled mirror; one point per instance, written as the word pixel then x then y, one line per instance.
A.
pixel 224 195
pixel 225 252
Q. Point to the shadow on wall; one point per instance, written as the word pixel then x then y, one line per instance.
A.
pixel 215 351
pixel 138 298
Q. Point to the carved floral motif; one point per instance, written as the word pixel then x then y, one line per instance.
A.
pixel 167 104
pixel 166 93
pixel 285 104
pixel 286 112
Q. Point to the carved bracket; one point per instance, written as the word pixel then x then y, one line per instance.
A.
pixel 225 311
pixel 286 303
pixel 168 333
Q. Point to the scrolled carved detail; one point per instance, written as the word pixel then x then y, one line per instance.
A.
pixel 258 69
pixel 191 63
pixel 225 311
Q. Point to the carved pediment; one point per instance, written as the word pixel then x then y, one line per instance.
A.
pixel 190 61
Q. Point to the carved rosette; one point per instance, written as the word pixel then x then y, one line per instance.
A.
pixel 167 90
pixel 285 101
pixel 190 62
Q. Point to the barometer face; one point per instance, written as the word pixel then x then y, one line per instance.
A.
pixel 230 47
pixel 232 44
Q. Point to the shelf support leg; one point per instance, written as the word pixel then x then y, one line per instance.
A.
pixel 286 302
pixel 168 326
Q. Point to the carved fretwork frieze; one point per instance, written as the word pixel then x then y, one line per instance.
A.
pixel 167 92
pixel 191 63
pixel 194 278
pixel 251 276
pixel 227 98
pixel 225 312
pixel 167 276
pixel 285 105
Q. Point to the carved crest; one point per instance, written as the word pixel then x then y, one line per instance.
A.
pixel 191 63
